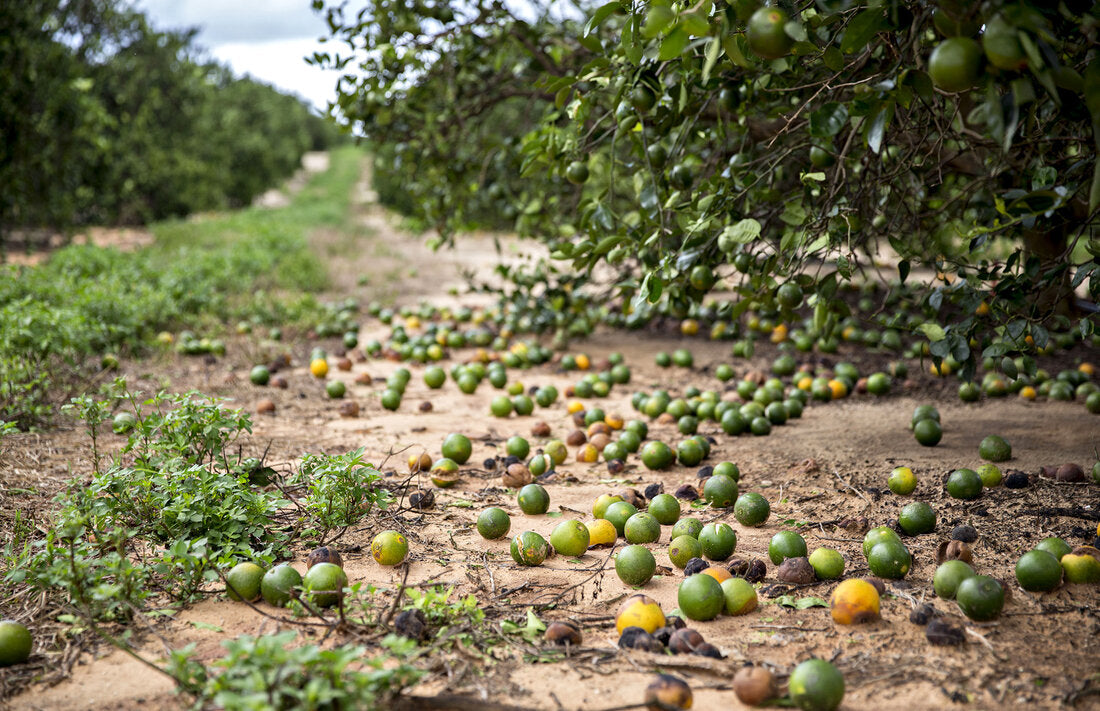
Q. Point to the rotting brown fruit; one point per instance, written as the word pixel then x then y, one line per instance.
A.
pixel 964 533
pixel 412 624
pixel 684 641
pixel 1069 473
pixel 686 492
pixel 754 685
pixel 758 569
pixel 941 632
pixel 668 692
pixel 599 441
pixel 954 550
pixel 540 429
pixel 564 633
pixel 695 566
pixel 922 614
pixel 421 500
pixel 633 497
pixel 349 408
pixel 706 649
pixel 516 475
pixel 857 524
pixel 598 428
pixel 324 554
pixel 797 571
pixel 638 638
pixel 265 407
pixel 737 567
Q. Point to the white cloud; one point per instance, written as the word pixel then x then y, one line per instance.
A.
pixel 281 63
pixel 266 39
pixel 243 20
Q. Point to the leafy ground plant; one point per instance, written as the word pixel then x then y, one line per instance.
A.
pixel 341 489
pixel 162 516
pixel 270 672
pixel 175 481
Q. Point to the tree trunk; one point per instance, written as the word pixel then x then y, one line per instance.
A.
pixel 1049 246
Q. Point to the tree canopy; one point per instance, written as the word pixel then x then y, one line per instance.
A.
pixel 106 120
pixel 679 143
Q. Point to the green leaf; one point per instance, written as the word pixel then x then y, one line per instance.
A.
pixel 607 244
pixel 791 240
pixel 653 293
pixel 795 31
pixel 808 602
pixel 656 20
pixel 794 214
pixel 591 43
pixel 1040 335
pixel 742 232
pixel 603 217
pixel 672 46
pixel 833 59
pixel 629 41
pixel 714 47
pixel 649 201
pixel 735 47
pixel 827 121
pixel 933 331
pixel 861 29
pixel 200 625
pixel 695 23
pixel 922 84
pixel 1038 68
pixel 800 603
pixel 877 130
pixel 601 14
pixel 1094 189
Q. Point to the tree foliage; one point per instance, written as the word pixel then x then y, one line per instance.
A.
pixel 808 141
pixel 105 120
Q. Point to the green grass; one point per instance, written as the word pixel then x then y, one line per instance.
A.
pixel 58 319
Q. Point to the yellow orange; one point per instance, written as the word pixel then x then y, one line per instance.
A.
pixel 854 601
pixel 601 532
pixel 640 611
pixel 719 574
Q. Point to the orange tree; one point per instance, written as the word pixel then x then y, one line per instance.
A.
pixel 105 120
pixel 688 144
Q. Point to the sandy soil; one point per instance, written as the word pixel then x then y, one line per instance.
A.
pixel 1042 651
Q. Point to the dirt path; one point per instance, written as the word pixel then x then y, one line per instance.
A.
pixel 1042 652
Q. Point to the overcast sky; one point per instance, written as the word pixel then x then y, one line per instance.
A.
pixel 266 39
